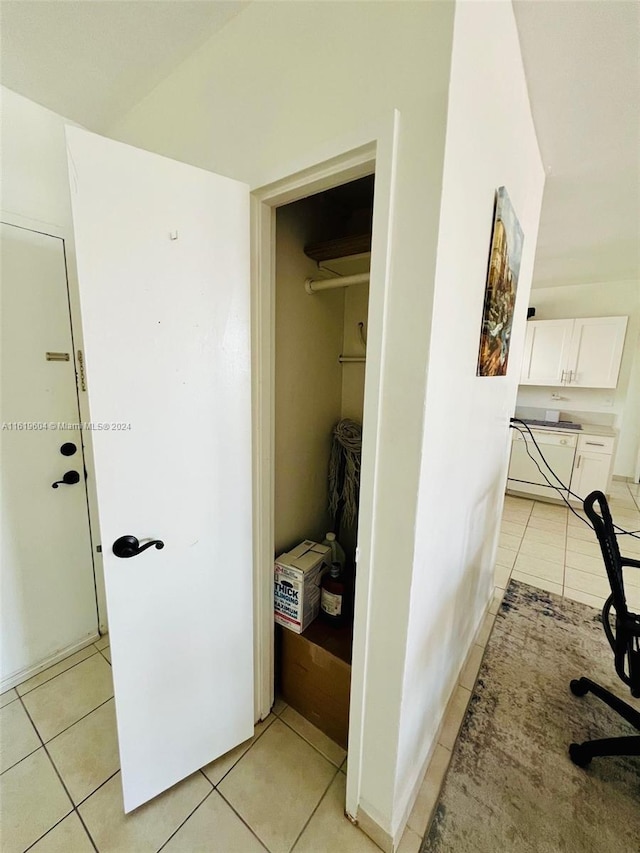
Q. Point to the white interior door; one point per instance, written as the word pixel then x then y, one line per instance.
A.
pixel 48 601
pixel 163 264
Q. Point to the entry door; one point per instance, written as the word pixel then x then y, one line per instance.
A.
pixel 48 601
pixel 163 263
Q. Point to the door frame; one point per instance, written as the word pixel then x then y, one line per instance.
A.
pixel 373 149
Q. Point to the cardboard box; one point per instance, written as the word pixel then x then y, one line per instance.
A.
pixel 297 576
pixel 316 682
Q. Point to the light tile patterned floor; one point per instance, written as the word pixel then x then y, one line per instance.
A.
pixel 60 786
pixel 546 546
pixel 284 790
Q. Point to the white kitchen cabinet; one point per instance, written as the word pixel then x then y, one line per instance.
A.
pixel 593 464
pixel 596 351
pixel 578 353
pixel 546 352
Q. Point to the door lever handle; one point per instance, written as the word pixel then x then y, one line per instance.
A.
pixel 69 479
pixel 129 546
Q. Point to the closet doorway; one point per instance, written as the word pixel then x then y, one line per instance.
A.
pixel 304 339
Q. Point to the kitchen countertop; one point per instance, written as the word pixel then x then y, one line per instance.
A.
pixel 587 429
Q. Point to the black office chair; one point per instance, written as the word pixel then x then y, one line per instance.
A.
pixel 624 640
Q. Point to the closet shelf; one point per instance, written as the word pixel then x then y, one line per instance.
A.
pixel 340 248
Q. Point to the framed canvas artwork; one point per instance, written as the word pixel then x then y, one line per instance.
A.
pixel 500 291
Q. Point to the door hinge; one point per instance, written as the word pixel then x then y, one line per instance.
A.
pixel 99 549
pixel 83 384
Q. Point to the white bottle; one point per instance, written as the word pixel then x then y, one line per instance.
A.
pixel 337 551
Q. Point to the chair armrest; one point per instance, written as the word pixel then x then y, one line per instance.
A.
pixel 627 561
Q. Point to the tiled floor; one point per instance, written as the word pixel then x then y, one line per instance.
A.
pixel 60 785
pixel 547 546
pixel 284 790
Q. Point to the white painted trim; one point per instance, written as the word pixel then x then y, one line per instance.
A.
pixel 28 672
pixel 344 160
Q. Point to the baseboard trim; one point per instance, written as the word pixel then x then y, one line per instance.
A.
pixel 28 672
pixel 375 832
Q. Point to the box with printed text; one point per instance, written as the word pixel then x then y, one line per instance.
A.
pixel 297 577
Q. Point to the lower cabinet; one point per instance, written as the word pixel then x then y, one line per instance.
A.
pixel 593 465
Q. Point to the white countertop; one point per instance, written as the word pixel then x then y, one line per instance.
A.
pixel 587 429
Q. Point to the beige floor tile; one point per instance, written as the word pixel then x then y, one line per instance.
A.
pixel 277 785
pixel 218 769
pixel 329 748
pixel 501 576
pixel 18 738
pixel 65 699
pixel 278 706
pixel 512 502
pixel 513 529
pixel 540 583
pixel 106 653
pixel 56 669
pixel 586 563
pixel 329 830
pixel 577 519
pixel 429 790
pixel 511 543
pixel 586 582
pixel 69 836
pixel 517 516
pixel 545 537
pixel 485 630
pixel 584 546
pixel 582 532
pixel 103 642
pixel 496 601
pixel 505 557
pixel 454 717
pixel 410 842
pixel 32 800
pixel 215 828
pixel 86 754
pixel 584 598
pixel 7 697
pixel 147 828
pixel 551 553
pixel 471 667
pixel 539 568
pixel 551 511
pixel 633 598
pixel 546 524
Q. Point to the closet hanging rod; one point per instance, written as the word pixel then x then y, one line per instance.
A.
pixel 351 359
pixel 312 285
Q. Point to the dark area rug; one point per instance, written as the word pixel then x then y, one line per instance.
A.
pixel 511 786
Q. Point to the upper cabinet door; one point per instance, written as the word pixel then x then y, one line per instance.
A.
pixel 596 352
pixel 163 264
pixel 546 350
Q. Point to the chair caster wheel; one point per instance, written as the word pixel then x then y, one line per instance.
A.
pixel 578 687
pixel 578 755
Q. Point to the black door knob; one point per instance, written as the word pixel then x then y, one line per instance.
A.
pixel 129 546
pixel 69 479
pixel 68 448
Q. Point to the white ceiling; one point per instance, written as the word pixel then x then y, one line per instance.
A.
pixel 92 60
pixel 582 61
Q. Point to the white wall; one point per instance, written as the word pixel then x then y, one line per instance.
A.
pixel 35 184
pixel 621 405
pixel 35 194
pixel 491 142
pixel 279 86
pixel 308 381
